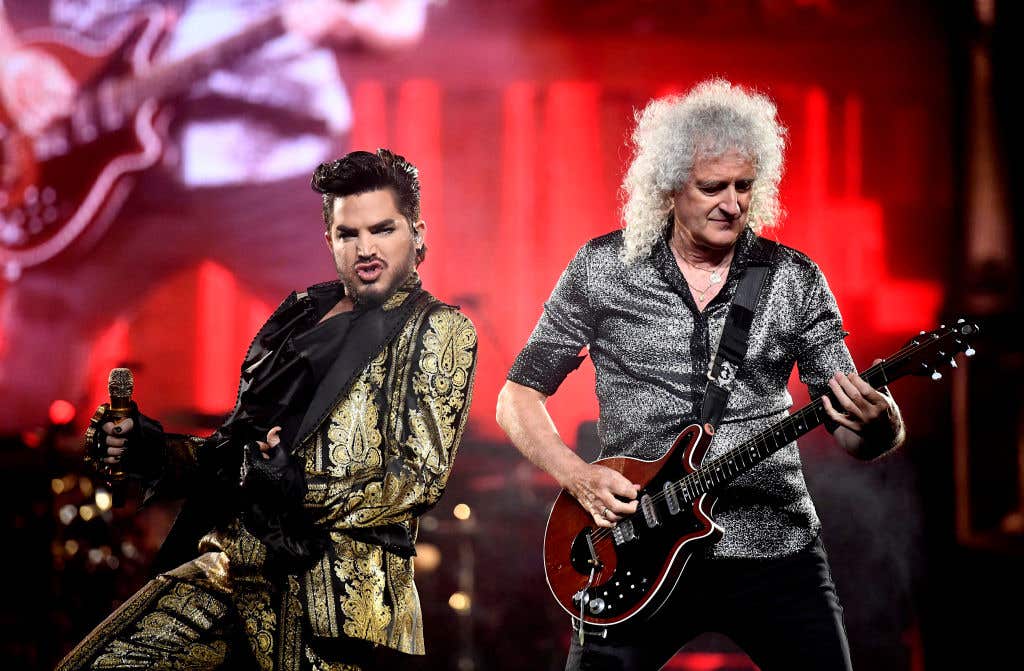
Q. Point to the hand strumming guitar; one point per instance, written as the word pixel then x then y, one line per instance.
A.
pixel 606 494
pixel 35 89
pixel 601 491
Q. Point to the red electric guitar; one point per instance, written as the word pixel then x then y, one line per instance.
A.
pixel 608 576
pixel 78 171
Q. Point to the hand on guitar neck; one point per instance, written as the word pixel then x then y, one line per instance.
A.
pixel 866 422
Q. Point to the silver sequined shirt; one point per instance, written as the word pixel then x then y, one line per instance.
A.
pixel 650 347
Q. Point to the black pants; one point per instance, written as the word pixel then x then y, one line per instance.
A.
pixel 783 612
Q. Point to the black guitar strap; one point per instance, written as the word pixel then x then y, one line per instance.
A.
pixel 735 337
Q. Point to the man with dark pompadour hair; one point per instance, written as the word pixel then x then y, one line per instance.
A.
pixel 352 403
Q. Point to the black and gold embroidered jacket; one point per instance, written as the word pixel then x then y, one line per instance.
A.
pixel 376 458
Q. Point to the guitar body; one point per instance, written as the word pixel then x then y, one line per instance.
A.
pixel 609 576
pixel 77 171
pixel 639 563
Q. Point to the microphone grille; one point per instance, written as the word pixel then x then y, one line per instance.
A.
pixel 121 383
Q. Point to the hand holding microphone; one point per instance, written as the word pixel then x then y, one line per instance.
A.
pixel 116 442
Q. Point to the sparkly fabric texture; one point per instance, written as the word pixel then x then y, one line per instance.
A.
pixel 651 347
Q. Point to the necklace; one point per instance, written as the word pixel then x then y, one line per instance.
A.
pixel 714 277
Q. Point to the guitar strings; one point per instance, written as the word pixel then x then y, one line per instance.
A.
pixel 604 533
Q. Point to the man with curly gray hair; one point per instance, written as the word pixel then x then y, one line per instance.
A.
pixel 650 304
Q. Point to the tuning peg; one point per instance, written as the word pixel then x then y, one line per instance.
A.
pixel 936 375
pixel 942 326
pixel 969 351
pixel 960 321
pixel 952 363
pixel 921 333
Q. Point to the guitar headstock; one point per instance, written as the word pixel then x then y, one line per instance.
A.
pixel 927 352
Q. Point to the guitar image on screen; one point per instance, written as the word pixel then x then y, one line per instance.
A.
pixel 75 173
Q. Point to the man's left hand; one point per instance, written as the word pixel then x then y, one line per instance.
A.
pixel 871 419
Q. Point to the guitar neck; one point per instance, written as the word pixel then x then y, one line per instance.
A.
pixel 726 468
pixel 171 79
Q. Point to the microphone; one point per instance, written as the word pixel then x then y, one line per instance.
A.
pixel 120 384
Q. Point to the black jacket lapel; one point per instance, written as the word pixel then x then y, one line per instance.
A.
pixel 369 334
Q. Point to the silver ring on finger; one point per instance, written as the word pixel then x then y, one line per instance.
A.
pixel 607 514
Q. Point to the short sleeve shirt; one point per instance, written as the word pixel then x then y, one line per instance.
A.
pixel 651 348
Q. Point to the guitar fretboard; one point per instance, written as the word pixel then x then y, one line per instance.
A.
pixel 178 77
pixel 724 469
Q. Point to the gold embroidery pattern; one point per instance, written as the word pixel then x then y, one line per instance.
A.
pixel 290 656
pixel 260 622
pixel 403 416
pixel 359 567
pixel 402 292
pixel 318 663
pixel 353 433
pixel 401 373
pixel 444 389
pixel 113 625
pixel 323 618
pixel 185 631
pixel 245 552
pixel 406 632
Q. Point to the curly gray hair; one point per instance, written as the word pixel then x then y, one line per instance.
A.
pixel 713 118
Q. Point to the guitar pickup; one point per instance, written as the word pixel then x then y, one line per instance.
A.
pixel 650 514
pixel 623 532
pixel 669 491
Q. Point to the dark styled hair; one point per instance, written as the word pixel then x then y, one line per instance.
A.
pixel 361 172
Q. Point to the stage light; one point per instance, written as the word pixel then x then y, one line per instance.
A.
pixel 95 555
pixel 61 412
pixel 129 550
pixel 427 558
pixel 87 512
pixel 68 514
pixel 85 486
pixel 459 601
pixel 57 485
pixel 462 512
pixel 103 500
pixel 32 439
pixel 71 547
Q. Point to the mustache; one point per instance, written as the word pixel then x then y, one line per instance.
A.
pixel 362 260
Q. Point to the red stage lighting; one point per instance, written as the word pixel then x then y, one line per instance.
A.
pixel 61 412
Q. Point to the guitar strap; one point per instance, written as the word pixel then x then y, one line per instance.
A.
pixel 732 346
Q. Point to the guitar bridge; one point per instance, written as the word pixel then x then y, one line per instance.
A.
pixel 583 555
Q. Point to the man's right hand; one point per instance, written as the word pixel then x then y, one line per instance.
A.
pixel 35 89
pixel 115 439
pixel 124 444
pixel 600 491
